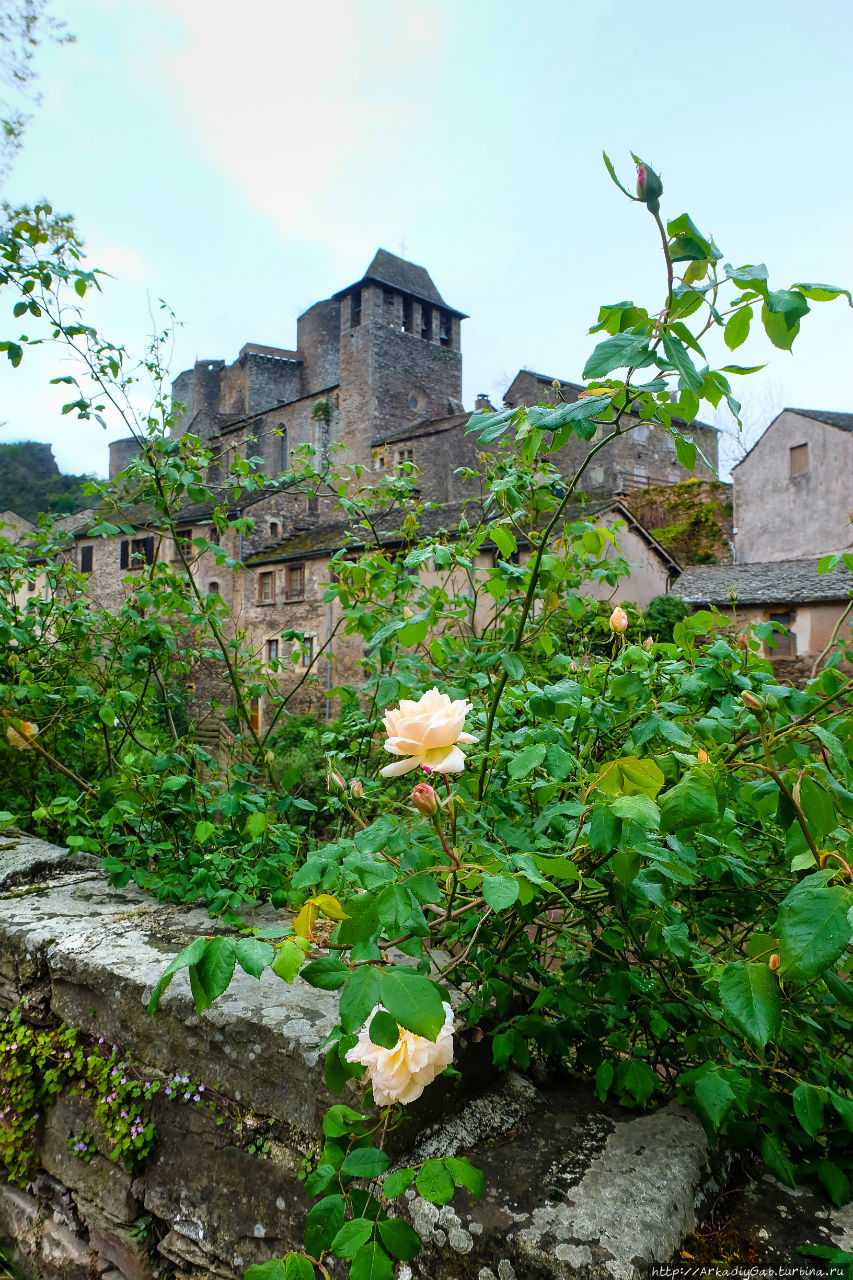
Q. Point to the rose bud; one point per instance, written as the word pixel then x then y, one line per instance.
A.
pixel 702 756
pixel 774 961
pixel 649 186
pixel 335 781
pixel 619 621
pixel 357 788
pixel 751 701
pixel 649 643
pixel 425 800
pixel 743 640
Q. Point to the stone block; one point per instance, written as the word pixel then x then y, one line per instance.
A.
pixel 99 1179
pixel 64 1255
pixel 115 1244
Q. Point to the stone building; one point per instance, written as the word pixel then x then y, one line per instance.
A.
pixel 793 492
pixel 375 382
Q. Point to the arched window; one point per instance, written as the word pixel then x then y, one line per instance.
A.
pixel 285 457
pixel 213 588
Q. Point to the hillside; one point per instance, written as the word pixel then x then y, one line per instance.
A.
pixel 31 482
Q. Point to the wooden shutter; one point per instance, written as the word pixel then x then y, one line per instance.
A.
pixel 148 550
pixel 125 555
pixel 86 559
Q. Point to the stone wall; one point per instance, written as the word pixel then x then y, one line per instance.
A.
pixel 573 1190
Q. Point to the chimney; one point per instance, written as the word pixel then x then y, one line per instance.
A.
pixel 483 404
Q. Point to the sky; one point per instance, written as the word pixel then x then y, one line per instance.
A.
pixel 243 161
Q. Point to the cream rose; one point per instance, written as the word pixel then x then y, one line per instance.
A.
pixel 619 621
pixel 20 740
pixel 426 733
pixel 401 1074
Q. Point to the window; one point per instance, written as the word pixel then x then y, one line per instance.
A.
pixel 86 556
pixel 799 456
pixel 285 456
pixel 183 542
pixel 31 586
pixel 426 322
pixel 641 433
pixel 786 645
pixel 408 319
pixel 213 588
pixel 445 331
pixel 308 651
pixel 136 552
pixel 355 310
pixel 405 455
pixel 274 528
pixel 266 588
pixel 380 462
pixel 295 579
pixel 272 650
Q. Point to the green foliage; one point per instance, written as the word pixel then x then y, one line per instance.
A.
pixel 31 483
pixel 662 614
pixel 643 870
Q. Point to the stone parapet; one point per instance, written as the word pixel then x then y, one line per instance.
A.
pixel 573 1189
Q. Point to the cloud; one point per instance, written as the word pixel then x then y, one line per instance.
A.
pixel 291 100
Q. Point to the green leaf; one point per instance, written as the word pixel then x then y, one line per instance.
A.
pixel 512 665
pixel 685 451
pixel 824 292
pixel 639 1080
pixel 213 972
pixel 737 328
pixel 365 1162
pixel 351 1237
pixel 371 1263
pixel 341 1120
pixel 253 956
pixel 434 1183
pixel 203 831
pixel 775 1155
pixel 837 1186
pixel 383 1030
pixel 809 1103
pixel 690 802
pixel 293 1266
pixel 604 829
pixel 500 892
pixel 415 1002
pixel 714 1099
pixel 526 761
pixel 622 351
pixel 414 632
pixel 818 807
pixel 323 1223
pixel 256 824
pixel 628 776
pixel 360 994
pixel 399 1239
pixel 639 808
pixel 328 973
pixel 814 928
pixel 504 540
pixel 183 960
pixel 465 1175
pixel 558 763
pixel 676 354
pixel 781 315
pixel 176 782
pixel 396 1183
pixel 288 960
pixel 750 996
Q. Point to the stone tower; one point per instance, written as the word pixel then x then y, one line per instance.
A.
pixel 400 353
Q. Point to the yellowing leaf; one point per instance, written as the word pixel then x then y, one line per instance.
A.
pixel 330 907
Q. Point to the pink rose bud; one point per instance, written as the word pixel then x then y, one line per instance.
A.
pixel 335 781
pixel 619 621
pixel 751 701
pixel 425 799
pixel 649 186
pixel 357 788
pixel 743 640
pixel 774 961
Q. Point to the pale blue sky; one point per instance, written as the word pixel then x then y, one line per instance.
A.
pixel 245 160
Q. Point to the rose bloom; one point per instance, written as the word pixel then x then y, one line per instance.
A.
pixel 619 621
pixel 20 740
pixel 401 1074
pixel 426 733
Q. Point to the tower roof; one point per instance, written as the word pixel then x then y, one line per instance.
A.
pixel 396 273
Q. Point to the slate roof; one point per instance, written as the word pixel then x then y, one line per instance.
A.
pixel 426 427
pixel 844 421
pixel 386 268
pixel 781 582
